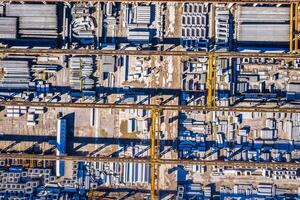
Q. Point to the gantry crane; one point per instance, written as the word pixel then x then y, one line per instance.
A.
pixel 154 152
pixel 44 75
pixel 211 81
pixel 212 89
pixel 294 27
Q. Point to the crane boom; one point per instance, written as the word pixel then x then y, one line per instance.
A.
pixel 153 156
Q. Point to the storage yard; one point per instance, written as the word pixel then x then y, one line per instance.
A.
pixel 149 100
pixel 257 25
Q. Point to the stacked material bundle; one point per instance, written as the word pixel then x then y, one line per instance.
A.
pixel 8 28
pixel 82 69
pixel 263 24
pixel 35 20
pixel 194 31
pixel 16 74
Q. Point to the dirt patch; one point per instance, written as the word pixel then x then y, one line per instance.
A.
pixel 123 127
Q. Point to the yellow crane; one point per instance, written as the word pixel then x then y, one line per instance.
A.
pixel 154 153
pixel 32 163
pixel 294 27
pixel 44 75
pixel 211 81
pixel 212 89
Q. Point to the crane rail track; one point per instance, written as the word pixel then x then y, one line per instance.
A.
pixel 218 163
pixel 20 51
pixel 178 1
pixel 151 106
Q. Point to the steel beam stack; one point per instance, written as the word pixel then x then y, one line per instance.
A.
pixel 138 26
pixel 222 27
pixel 8 28
pixel 81 68
pixel 138 35
pixel 135 173
pixel 194 34
pixel 143 14
pixel 35 20
pixel 263 24
pixel 16 74
pixel 83 23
